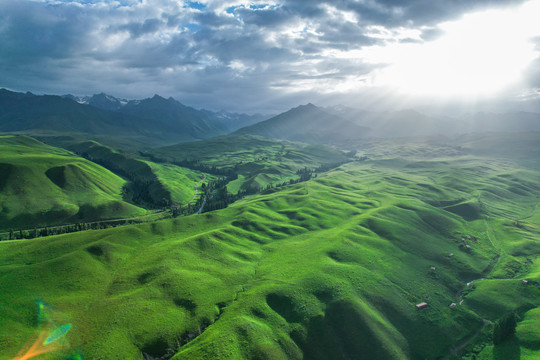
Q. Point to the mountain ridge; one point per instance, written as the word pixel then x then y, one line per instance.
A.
pixel 307 123
pixel 150 120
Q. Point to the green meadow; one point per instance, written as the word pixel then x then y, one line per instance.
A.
pixel 259 162
pixel 330 268
pixel 180 182
pixel 41 185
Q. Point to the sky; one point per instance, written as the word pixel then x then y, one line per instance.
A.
pixel 268 56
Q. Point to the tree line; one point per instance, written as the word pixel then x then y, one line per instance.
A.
pixel 214 196
pixel 64 229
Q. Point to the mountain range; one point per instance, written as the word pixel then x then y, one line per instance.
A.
pixel 158 121
pixel 169 109
pixel 393 243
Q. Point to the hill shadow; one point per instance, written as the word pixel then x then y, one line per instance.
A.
pixel 508 350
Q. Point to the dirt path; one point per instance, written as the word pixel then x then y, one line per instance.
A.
pixel 458 348
pixel 196 189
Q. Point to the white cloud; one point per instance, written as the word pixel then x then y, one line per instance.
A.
pixel 211 56
pixel 480 54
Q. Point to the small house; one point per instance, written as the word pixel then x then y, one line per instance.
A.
pixel 525 281
pixel 433 268
pixel 422 305
pixel 453 305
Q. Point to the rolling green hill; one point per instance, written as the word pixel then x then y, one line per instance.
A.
pixel 42 185
pixel 158 185
pixel 331 268
pixel 180 182
pixel 258 162
pixel 144 188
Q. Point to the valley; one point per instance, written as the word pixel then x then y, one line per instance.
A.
pixel 269 180
pixel 328 266
pixel 331 267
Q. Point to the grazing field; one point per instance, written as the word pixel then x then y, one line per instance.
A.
pixel 328 268
pixel 180 182
pixel 258 162
pixel 41 185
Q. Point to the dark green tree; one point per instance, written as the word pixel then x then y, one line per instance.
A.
pixel 504 328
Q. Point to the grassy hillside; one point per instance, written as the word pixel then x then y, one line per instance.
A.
pixel 331 268
pixel 180 182
pixel 163 183
pixel 43 185
pixel 144 189
pixel 257 161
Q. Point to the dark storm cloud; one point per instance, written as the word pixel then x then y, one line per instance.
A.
pixel 430 12
pixel 30 32
pixel 230 54
pixel 137 29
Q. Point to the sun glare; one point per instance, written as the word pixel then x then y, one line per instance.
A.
pixel 478 55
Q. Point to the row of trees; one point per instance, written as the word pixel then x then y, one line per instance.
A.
pixel 214 196
pixel 64 229
pixel 504 328
pixel 217 197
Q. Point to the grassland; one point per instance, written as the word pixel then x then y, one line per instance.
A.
pixel 331 268
pixel 182 183
pixel 42 185
pixel 258 162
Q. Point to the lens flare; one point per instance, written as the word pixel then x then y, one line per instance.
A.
pixel 51 336
pixel 57 334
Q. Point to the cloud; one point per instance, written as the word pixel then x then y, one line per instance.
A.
pixel 242 55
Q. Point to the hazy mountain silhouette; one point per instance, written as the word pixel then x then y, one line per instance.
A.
pixel 307 123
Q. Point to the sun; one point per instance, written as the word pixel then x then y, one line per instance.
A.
pixel 478 55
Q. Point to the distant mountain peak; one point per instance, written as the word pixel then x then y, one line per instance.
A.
pixel 158 97
pixel 308 106
pixel 307 123
pixel 105 101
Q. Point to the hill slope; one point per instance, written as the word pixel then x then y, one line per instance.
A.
pixel 327 269
pixel 258 162
pixel 42 185
pixel 330 268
